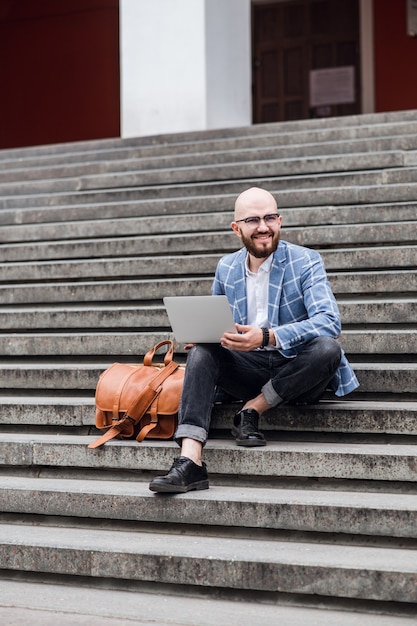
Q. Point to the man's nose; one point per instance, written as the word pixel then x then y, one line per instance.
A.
pixel 262 221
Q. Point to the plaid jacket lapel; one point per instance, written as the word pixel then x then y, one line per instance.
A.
pixel 239 278
pixel 275 282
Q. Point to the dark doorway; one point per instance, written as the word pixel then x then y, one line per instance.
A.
pixel 291 41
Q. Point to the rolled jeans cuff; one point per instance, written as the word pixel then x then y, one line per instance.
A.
pixel 190 432
pixel 271 395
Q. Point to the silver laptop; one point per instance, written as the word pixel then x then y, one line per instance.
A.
pixel 199 319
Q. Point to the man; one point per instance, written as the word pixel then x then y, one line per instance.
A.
pixel 284 350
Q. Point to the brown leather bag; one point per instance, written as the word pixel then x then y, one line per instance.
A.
pixel 139 400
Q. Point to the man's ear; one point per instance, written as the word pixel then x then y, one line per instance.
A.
pixel 236 228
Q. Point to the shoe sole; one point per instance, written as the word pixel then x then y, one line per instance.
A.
pixel 250 443
pixel 201 484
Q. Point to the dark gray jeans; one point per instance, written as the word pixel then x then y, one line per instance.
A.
pixel 302 379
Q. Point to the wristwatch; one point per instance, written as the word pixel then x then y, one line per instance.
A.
pixel 265 337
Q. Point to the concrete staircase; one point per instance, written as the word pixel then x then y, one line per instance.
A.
pixel 318 527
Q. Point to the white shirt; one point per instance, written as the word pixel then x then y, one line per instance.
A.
pixel 257 287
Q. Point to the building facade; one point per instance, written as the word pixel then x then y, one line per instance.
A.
pixel 85 69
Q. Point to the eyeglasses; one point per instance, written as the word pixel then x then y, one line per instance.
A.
pixel 270 220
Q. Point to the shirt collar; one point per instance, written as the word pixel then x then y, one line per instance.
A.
pixel 265 267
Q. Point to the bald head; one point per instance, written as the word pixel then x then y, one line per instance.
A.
pixel 257 223
pixel 254 199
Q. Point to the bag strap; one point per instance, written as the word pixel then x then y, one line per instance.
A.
pixel 138 406
pixel 121 427
pixel 153 421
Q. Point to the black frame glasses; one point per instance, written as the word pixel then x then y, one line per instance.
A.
pixel 270 220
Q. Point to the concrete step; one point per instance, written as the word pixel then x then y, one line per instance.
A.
pixel 286 133
pixel 119 291
pixel 383 340
pixel 389 377
pixel 392 417
pixel 296 458
pixel 151 158
pixel 340 191
pixel 293 139
pixel 337 474
pixel 344 571
pixel 111 215
pixel 366 258
pixel 322 236
pixel 120 268
pixel 106 209
pixel 128 316
pixel 160 222
pixel 206 166
pixel 119 246
pixel 132 316
pixel 395 416
pixel 391 340
pixel 369 310
pixel 359 170
pixel 293 229
pixel 312 509
pixel 23 374
pixel 41 604
pixel 394 172
pixel 357 258
pixel 199 242
pixel 379 282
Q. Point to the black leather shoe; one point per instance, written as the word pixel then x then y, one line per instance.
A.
pixel 184 475
pixel 245 429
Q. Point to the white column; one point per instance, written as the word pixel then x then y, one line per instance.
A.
pixel 367 56
pixel 228 63
pixel 184 64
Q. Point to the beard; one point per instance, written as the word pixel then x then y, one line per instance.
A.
pixel 260 249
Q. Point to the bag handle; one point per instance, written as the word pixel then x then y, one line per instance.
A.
pixel 147 359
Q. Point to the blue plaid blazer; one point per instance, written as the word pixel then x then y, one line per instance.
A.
pixel 301 304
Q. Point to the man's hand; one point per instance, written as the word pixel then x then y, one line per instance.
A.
pixel 246 339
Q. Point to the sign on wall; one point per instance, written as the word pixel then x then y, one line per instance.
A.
pixel 335 85
pixel 412 18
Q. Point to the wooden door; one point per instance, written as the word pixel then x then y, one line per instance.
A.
pixel 290 39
